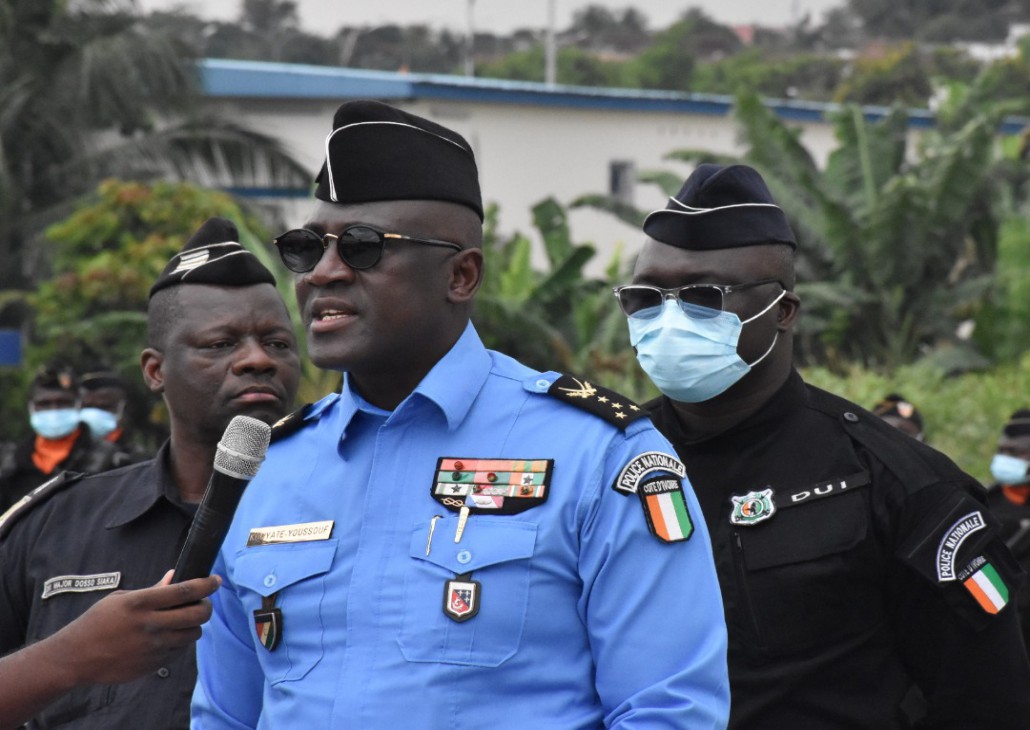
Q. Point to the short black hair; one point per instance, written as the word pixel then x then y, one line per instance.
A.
pixel 164 308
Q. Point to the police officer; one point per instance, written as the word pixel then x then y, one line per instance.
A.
pixel 853 564
pixel 896 410
pixel 219 344
pixel 1009 498
pixel 454 539
pixel 104 396
pixel 60 441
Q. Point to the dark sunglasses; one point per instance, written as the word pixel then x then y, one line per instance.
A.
pixel 360 247
pixel 698 301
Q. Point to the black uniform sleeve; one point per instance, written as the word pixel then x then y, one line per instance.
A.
pixel 15 603
pixel 958 632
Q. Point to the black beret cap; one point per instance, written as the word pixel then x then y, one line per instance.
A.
pixel 377 152
pixel 1019 423
pixel 721 207
pixel 214 256
pixel 56 375
pixel 102 378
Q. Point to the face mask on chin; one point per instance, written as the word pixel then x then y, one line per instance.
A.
pixel 693 360
pixel 54 423
pixel 1010 469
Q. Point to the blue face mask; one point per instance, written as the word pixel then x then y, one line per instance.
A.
pixel 692 360
pixel 100 422
pixel 1009 469
pixel 55 423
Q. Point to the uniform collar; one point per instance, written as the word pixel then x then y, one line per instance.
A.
pixel 153 483
pixel 451 385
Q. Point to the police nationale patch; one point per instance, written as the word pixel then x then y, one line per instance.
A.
pixel 947 550
pixel 461 598
pixel 665 507
pixel 642 466
pixel 753 507
pixel 497 486
pixel 81 583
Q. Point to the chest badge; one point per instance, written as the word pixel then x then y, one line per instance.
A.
pixel 461 598
pixel 268 623
pixel 753 507
pixel 491 486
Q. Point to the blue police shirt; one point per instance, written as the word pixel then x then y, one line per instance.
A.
pixel 340 563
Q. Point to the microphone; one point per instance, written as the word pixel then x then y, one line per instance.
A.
pixel 237 459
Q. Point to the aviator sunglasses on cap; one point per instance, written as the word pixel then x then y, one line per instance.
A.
pixel 360 247
pixel 698 301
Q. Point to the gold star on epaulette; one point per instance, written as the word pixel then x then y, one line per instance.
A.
pixel 634 408
pixel 616 406
pixel 620 415
pixel 601 399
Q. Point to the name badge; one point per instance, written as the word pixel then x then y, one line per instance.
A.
pixel 301 532
pixel 81 583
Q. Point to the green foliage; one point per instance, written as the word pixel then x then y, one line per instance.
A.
pixel 106 256
pixel 1003 325
pixel 963 415
pixel 901 76
pixel 805 76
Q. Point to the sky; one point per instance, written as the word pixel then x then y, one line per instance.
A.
pixel 324 17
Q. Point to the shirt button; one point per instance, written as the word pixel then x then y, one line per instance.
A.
pixel 543 384
pixel 269 580
pixel 464 557
pixel 163 672
pixel 849 416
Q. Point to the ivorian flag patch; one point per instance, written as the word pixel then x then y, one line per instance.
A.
pixel 988 588
pixel 665 507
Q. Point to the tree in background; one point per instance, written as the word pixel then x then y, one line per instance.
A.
pixel 88 91
pixel 106 255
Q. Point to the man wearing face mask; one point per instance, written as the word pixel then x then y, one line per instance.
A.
pixel 1009 498
pixel 857 569
pixel 59 442
pixel 105 398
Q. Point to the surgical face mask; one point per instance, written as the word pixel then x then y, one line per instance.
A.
pixel 692 359
pixel 54 423
pixel 100 422
pixel 1010 469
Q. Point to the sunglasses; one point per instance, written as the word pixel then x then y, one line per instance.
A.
pixel 360 247
pixel 698 301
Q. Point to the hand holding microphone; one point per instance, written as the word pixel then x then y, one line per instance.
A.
pixel 237 459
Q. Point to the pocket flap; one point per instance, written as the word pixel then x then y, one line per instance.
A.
pixel 485 541
pixel 266 569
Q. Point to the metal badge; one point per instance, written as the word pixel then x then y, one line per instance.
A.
pixel 461 598
pixel 268 623
pixel 281 534
pixel 753 507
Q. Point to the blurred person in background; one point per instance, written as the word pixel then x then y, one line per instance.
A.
pixel 900 413
pixel 105 395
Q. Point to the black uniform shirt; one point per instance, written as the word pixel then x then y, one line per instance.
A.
pixel 1015 531
pixel 69 548
pixel 846 582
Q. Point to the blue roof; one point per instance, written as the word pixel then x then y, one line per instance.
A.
pixel 259 79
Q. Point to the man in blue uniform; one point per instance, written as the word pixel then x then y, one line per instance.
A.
pixel 454 539
pixel 854 564
pixel 219 344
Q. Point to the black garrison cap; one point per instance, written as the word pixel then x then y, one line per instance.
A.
pixel 102 377
pixel 376 152
pixel 55 375
pixel 721 207
pixel 1019 423
pixel 213 255
pixel 896 405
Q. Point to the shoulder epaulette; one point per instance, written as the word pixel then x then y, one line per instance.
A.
pixel 613 407
pixel 36 497
pixel 290 424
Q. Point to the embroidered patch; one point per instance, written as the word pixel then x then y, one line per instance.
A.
pixel 300 532
pixel 753 507
pixel 461 598
pixel 642 466
pixel 985 585
pixel 947 550
pixel 665 507
pixel 497 486
pixel 81 583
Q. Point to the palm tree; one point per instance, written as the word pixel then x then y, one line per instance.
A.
pixel 88 91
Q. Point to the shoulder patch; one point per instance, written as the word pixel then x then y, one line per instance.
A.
pixel 290 424
pixel 612 407
pixel 37 496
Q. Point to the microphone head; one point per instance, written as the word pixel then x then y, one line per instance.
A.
pixel 243 447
